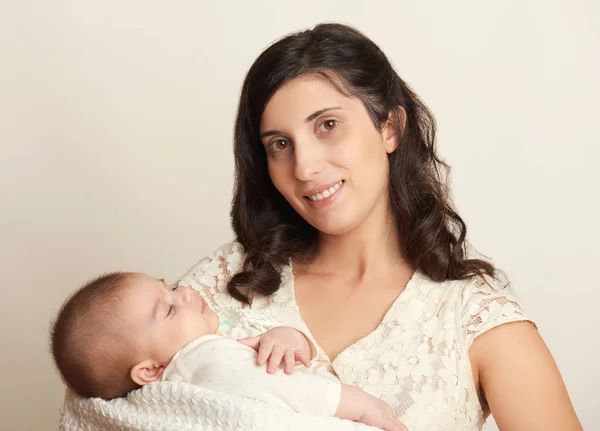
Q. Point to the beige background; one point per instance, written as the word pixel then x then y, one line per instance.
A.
pixel 115 132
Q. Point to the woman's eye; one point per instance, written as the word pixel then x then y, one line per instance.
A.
pixel 328 125
pixel 278 145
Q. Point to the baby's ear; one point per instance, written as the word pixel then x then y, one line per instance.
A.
pixel 147 371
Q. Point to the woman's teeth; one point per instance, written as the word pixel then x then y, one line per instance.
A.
pixel 326 193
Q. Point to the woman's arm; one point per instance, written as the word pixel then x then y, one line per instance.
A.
pixel 521 381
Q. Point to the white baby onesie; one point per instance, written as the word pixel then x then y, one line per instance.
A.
pixel 224 365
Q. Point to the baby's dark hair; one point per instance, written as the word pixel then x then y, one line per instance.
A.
pixel 89 348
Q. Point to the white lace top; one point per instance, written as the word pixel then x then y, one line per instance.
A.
pixel 416 359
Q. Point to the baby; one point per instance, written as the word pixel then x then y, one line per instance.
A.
pixel 122 331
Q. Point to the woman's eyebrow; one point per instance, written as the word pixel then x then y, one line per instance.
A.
pixel 308 120
pixel 271 133
pixel 319 112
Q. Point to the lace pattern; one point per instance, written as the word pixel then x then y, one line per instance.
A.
pixel 416 360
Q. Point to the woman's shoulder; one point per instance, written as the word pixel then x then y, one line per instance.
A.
pixel 210 275
pixel 479 302
pixel 488 301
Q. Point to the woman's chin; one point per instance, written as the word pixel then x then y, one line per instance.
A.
pixel 334 226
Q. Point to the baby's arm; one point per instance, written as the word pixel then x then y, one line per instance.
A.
pixel 355 404
pixel 226 366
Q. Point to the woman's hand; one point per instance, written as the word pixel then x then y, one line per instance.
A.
pixel 379 414
pixel 359 406
pixel 280 344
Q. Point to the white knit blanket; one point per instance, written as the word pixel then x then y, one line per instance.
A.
pixel 174 406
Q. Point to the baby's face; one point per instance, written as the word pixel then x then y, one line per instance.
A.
pixel 162 320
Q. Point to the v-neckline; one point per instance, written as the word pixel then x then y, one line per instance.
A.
pixel 291 285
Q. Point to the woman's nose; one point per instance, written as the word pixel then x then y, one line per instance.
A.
pixel 308 160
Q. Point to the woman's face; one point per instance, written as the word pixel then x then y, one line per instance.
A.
pixel 325 155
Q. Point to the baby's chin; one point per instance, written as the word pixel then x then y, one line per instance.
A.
pixel 213 328
pixel 214 322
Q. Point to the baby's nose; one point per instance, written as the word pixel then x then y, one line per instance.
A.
pixel 187 294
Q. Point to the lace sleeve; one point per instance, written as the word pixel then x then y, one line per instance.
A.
pixel 210 275
pixel 489 302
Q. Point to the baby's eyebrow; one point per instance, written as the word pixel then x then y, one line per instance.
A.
pixel 156 308
pixel 167 286
pixel 159 301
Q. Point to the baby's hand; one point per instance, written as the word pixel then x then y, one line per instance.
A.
pixel 281 343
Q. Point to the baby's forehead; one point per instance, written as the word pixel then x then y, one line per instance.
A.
pixel 140 277
pixel 141 283
pixel 141 292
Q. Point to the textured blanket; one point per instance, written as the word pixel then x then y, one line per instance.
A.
pixel 169 406
pixel 175 406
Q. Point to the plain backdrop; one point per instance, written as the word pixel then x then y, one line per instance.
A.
pixel 116 151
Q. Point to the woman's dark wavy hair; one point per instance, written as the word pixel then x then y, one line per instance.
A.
pixel 431 233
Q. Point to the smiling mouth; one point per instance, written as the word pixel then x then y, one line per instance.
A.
pixel 325 193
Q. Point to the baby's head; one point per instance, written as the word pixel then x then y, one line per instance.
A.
pixel 119 332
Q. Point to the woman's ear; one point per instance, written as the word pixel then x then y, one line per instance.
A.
pixel 146 371
pixel 390 130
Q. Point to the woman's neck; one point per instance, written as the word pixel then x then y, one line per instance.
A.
pixel 368 251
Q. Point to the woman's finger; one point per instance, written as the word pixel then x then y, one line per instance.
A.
pixel 393 424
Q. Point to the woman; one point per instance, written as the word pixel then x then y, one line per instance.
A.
pixel 344 229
